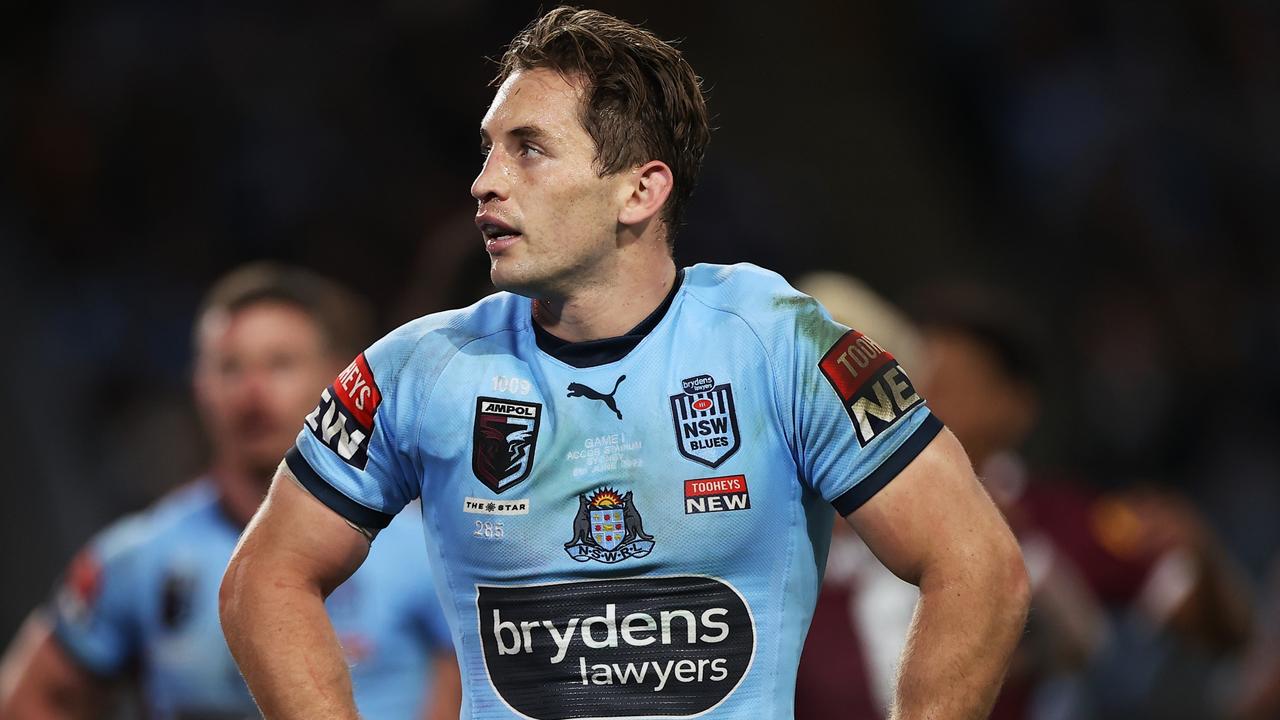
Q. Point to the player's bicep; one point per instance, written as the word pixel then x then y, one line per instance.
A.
pixel 933 512
pixel 295 533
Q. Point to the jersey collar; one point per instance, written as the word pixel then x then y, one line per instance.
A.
pixel 591 353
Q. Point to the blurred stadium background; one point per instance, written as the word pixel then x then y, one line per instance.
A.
pixel 1113 166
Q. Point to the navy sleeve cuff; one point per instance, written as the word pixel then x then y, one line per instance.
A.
pixel 353 511
pixel 889 469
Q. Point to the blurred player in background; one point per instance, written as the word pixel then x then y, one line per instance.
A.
pixel 1121 580
pixel 1257 696
pixel 141 599
pixel 979 360
pixel 981 355
pixel 864 611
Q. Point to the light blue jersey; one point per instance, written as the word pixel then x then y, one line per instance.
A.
pixel 641 534
pixel 144 596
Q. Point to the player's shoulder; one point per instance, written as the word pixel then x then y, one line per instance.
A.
pixel 181 512
pixel 436 337
pixel 762 298
pixel 746 287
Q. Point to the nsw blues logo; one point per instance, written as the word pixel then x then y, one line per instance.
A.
pixel 503 440
pixel 705 421
pixel 608 528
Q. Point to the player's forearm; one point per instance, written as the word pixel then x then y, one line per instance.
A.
pixel 47 703
pixel 967 624
pixel 281 637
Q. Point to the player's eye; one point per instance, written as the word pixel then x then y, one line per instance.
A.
pixel 528 150
pixel 485 150
pixel 229 368
pixel 283 362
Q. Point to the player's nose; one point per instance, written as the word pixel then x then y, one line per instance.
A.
pixel 492 182
pixel 254 384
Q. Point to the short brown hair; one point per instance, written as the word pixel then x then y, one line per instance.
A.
pixel 642 100
pixel 344 318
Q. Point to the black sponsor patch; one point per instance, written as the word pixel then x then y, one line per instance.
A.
pixel 671 646
pixel 706 421
pixel 175 598
pixel 503 440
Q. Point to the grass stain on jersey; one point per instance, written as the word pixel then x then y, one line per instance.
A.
pixel 815 327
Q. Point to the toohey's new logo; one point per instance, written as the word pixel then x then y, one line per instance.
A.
pixel 615 648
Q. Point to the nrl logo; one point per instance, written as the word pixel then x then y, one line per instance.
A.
pixel 608 528
pixel 503 440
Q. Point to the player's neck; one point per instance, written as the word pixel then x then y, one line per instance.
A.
pixel 241 490
pixel 609 308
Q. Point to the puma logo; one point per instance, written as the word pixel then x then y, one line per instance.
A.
pixel 580 390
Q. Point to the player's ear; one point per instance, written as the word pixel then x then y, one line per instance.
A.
pixel 646 192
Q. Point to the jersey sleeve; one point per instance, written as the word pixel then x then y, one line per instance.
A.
pixel 357 451
pixel 863 422
pixel 94 605
pixel 857 420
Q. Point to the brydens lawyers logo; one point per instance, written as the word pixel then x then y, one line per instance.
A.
pixel 344 418
pixel 626 647
pixel 608 528
pixel 718 494
pixel 873 388
pixel 705 421
pixel 503 440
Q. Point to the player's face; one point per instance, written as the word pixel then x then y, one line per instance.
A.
pixel 258 373
pixel 967 390
pixel 549 221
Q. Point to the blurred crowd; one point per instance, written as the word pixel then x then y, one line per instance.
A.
pixel 1069 201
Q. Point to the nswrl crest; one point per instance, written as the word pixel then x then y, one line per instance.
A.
pixel 705 421
pixel 608 528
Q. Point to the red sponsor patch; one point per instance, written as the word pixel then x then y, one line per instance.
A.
pixel 715 486
pixel 851 362
pixel 356 389
pixel 716 494
pixel 84 577
pixel 80 587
